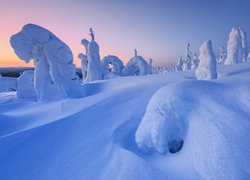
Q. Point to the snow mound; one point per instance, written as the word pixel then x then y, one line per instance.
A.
pixel 165 121
pixel 55 71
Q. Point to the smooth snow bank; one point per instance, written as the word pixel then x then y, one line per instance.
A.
pixel 207 69
pixel 55 71
pixel 94 137
pixel 8 84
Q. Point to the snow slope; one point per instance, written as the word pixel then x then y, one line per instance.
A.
pixel 94 137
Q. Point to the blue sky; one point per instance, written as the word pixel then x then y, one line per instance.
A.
pixel 157 29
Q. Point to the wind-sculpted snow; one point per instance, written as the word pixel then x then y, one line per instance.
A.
pixel 117 66
pixel 55 71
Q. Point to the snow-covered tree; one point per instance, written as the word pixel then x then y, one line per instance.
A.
pixel 179 64
pixel 83 58
pixel 136 66
pixel 25 85
pixel 234 47
pixel 117 67
pixel 94 70
pixel 187 61
pixel 244 45
pixel 222 55
pixel 207 69
pixel 55 74
pixel 150 66
pixel 195 62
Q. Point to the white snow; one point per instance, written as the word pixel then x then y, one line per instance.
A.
pixel 115 70
pixel 136 66
pixel 94 137
pixel 94 70
pixel 207 67
pixel 8 84
pixel 25 85
pixel 55 71
pixel 234 47
pixel 84 58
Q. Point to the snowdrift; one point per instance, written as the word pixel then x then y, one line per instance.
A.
pixel 94 137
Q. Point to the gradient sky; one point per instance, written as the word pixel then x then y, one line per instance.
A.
pixel 157 29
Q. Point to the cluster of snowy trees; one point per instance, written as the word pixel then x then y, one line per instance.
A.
pixel 55 76
pixel 205 63
pixel 94 68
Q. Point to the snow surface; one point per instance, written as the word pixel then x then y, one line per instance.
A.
pixel 8 84
pixel 94 137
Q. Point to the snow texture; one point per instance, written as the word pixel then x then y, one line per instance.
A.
pixel 115 70
pixel 25 85
pixel 136 66
pixel 55 71
pixel 234 47
pixel 207 67
pixel 8 84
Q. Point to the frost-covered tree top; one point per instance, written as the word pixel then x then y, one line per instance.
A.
pixel 55 71
pixel 207 67
pixel 91 33
pixel 234 47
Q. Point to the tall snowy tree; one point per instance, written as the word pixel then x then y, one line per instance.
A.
pixel 207 69
pixel 234 47
pixel 94 70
